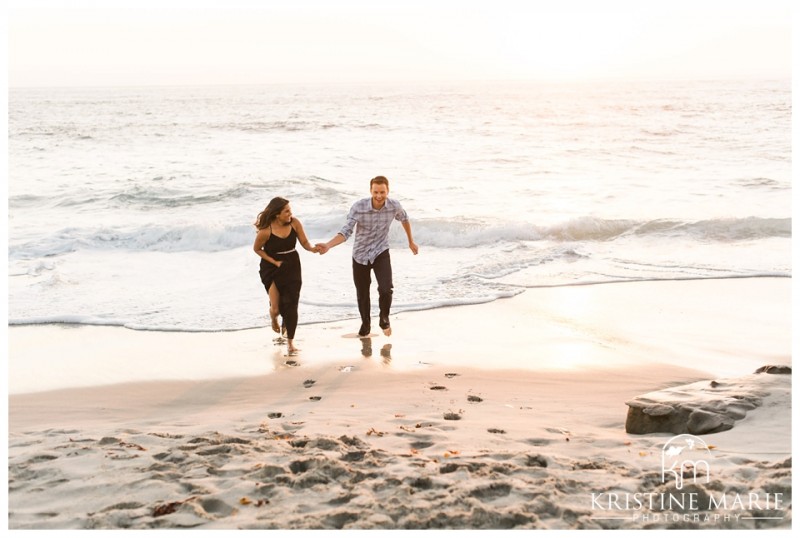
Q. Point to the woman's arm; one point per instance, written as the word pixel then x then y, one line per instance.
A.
pixel 301 235
pixel 258 246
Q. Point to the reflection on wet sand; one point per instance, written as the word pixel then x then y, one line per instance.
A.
pixel 386 350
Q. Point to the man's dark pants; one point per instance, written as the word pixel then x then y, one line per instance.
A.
pixel 362 279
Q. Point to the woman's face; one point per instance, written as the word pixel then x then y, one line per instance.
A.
pixel 285 216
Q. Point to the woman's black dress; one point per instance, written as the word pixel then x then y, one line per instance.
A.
pixel 287 277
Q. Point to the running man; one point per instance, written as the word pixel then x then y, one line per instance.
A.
pixel 371 219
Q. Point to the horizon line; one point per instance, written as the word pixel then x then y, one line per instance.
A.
pixel 406 83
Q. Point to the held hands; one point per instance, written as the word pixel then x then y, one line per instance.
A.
pixel 322 248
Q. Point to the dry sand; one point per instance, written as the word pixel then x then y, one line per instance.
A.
pixel 504 415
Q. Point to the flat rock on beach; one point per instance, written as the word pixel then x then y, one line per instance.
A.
pixel 706 406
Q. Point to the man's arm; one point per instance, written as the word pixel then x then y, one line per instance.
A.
pixel 337 239
pixel 411 244
pixel 342 236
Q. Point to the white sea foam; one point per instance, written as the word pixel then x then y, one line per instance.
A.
pixel 441 233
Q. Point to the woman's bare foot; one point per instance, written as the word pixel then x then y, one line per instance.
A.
pixel 275 326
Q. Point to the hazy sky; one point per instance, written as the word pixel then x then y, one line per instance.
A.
pixel 75 43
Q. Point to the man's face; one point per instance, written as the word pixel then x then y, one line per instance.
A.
pixel 379 193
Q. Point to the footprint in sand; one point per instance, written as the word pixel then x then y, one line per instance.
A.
pixel 292 426
pixel 291 363
pixel 452 416
pixel 538 441
pixel 474 399
pixel 217 508
pixel 438 387
pixel 451 375
pixel 315 398
pixel 496 430
pixel 308 383
pixel 275 415
pixel 491 492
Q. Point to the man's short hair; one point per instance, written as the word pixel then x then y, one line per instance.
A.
pixel 379 180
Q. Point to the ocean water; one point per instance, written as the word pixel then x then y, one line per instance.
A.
pixel 134 206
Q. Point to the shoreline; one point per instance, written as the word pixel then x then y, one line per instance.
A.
pixel 541 329
pixel 71 321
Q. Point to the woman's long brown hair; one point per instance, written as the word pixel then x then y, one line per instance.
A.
pixel 272 210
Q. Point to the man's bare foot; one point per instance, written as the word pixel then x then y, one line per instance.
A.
pixel 292 350
pixel 384 324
